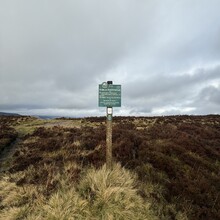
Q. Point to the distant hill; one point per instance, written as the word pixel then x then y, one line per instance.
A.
pixel 8 114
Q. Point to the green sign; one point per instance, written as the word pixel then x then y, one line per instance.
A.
pixel 109 95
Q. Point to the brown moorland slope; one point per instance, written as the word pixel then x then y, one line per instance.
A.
pixel 176 158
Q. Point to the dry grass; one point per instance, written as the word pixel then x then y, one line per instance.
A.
pixel 112 194
pixel 100 194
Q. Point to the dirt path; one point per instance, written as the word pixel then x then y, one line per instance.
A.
pixel 28 127
pixel 7 154
pixel 63 124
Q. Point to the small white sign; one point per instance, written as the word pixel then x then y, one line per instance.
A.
pixel 109 111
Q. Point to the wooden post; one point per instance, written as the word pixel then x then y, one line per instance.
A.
pixel 109 138
pixel 109 135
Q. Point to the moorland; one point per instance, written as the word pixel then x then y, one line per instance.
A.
pixel 164 168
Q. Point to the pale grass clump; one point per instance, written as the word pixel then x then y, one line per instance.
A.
pixel 13 213
pixel 15 200
pixel 77 143
pixel 65 204
pixel 100 194
pixel 106 178
pixel 68 166
pixel 10 194
pixel 112 195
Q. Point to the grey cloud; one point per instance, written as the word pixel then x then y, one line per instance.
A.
pixel 209 95
pixel 180 92
pixel 161 84
pixel 53 54
pixel 207 101
pixel 70 42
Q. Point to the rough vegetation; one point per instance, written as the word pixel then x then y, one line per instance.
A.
pixel 170 168
pixel 7 135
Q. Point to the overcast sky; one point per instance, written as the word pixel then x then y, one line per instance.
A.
pixel 164 53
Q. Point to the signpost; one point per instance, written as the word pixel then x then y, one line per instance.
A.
pixel 109 97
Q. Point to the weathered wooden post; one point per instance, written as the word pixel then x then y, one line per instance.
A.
pixel 109 134
pixel 109 97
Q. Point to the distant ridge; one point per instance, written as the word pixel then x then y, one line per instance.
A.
pixel 8 114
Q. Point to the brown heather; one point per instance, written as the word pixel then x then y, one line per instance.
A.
pixel 170 168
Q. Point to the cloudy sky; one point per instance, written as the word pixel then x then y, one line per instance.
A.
pixel 164 53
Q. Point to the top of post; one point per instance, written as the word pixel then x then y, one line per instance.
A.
pixel 109 82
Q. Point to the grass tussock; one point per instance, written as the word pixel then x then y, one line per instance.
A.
pixel 99 194
pixel 112 194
